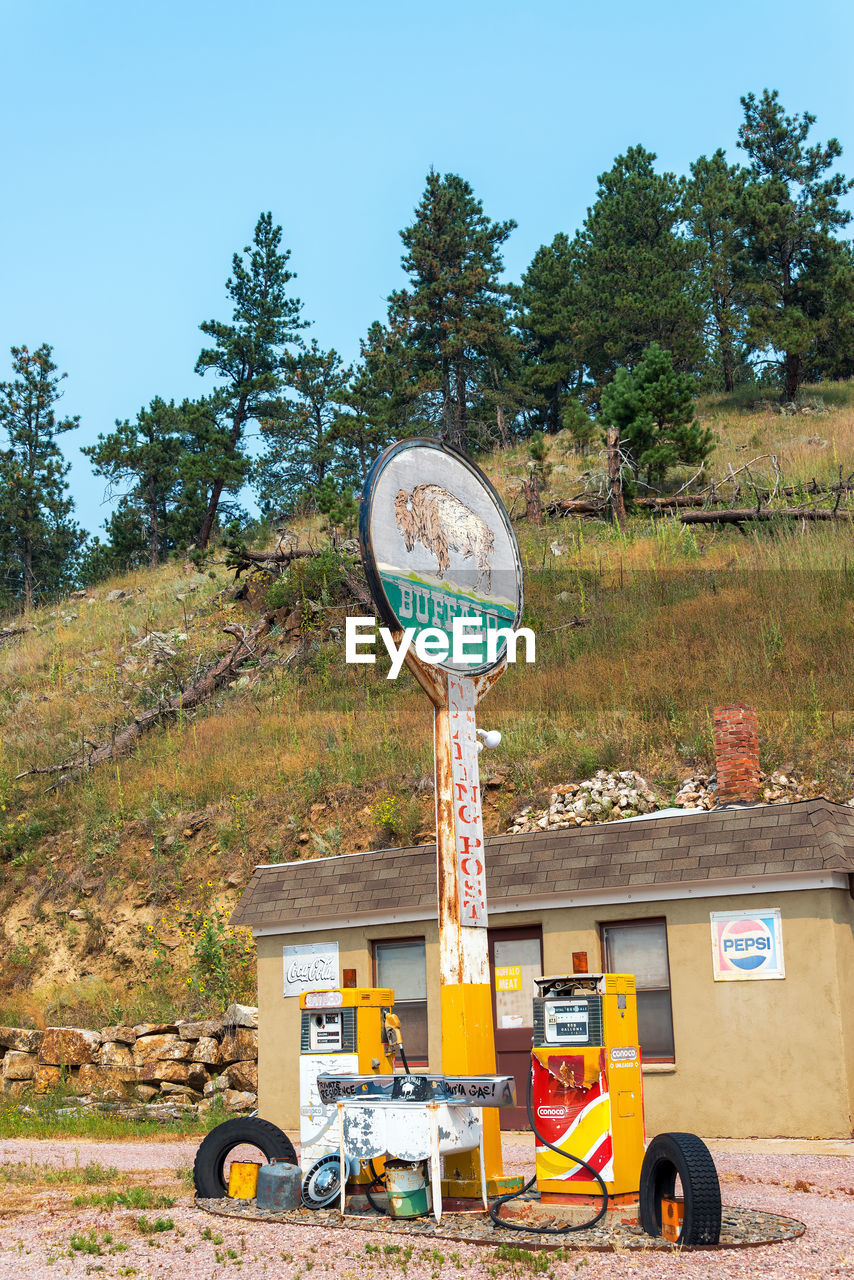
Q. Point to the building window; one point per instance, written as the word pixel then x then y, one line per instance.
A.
pixel 640 947
pixel 402 965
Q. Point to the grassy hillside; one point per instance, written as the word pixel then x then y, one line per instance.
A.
pixel 114 888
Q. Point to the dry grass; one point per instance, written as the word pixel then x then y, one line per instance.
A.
pixel 31 1186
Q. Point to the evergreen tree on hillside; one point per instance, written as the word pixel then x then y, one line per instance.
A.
pixel 204 459
pixel 378 403
pixel 789 217
pixel 548 322
pixel 454 311
pixel 833 353
pixel 301 432
pixel 652 407
pixel 143 456
pixel 712 201
pixel 249 355
pixel 636 285
pixel 39 540
pixel 161 467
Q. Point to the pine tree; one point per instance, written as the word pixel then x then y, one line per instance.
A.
pixel 454 310
pixel 39 541
pixel 789 217
pixel 636 284
pixel 833 354
pixel 205 460
pixel 712 200
pixel 144 456
pixel 547 319
pixel 301 432
pixel 378 403
pixel 652 407
pixel 249 354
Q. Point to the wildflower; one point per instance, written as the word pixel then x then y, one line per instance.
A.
pixel 150 928
pixel 210 884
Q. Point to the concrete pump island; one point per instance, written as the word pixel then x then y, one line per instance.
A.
pixel 386 1144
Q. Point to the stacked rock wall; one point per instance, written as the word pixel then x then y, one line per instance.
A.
pixel 182 1063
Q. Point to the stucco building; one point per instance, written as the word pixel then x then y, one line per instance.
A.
pixel 737 923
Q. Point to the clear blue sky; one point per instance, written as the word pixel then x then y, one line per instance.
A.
pixel 139 144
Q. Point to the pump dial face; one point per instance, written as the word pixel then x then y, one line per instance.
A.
pixel 567 1022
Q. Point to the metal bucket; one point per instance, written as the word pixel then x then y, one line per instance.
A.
pixel 408 1191
pixel 279 1186
pixel 243 1179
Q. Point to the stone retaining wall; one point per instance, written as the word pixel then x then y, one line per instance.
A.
pixel 183 1063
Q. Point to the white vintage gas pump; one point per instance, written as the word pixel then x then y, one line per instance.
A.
pixel 341 1033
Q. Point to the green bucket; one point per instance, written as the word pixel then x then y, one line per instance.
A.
pixel 408 1192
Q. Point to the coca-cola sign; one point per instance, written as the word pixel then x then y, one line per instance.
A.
pixel 312 966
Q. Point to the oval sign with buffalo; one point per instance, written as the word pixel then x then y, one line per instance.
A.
pixel 437 545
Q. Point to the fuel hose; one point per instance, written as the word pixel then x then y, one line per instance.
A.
pixel 377 1180
pixel 514 1195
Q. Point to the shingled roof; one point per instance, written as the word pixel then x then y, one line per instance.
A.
pixel 723 844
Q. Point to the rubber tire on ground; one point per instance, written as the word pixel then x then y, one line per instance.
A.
pixel 688 1156
pixel 214 1150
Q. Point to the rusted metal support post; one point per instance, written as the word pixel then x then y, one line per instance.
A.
pixel 468 1041
pixel 419 499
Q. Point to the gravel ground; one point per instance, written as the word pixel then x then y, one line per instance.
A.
pixel 817 1189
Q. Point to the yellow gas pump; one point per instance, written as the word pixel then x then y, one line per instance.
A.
pixel 586 1089
pixel 341 1033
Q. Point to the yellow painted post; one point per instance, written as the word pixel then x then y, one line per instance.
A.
pixel 468 1039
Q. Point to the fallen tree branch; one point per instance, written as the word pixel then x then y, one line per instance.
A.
pixel 123 739
pixel 574 622
pixel 12 633
pixel 244 559
pixel 738 515
pixel 577 507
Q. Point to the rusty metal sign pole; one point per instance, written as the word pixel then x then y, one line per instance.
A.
pixel 438 547
pixel 468 1038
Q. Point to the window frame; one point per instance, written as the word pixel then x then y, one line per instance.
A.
pixel 636 922
pixel 385 942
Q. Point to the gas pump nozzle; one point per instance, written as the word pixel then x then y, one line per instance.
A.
pixel 394 1036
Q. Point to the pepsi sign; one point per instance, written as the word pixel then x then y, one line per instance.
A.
pixel 747 944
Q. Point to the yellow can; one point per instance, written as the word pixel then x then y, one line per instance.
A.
pixel 243 1180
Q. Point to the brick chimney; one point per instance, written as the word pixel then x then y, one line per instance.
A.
pixel 737 754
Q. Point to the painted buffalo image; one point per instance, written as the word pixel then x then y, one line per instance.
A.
pixel 440 522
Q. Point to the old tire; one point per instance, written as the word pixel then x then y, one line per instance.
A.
pixel 208 1170
pixel 688 1156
